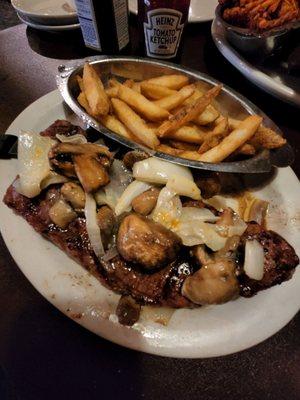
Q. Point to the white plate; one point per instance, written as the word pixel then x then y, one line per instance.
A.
pixel 48 28
pixel 200 10
pixel 203 332
pixel 58 12
pixel 283 87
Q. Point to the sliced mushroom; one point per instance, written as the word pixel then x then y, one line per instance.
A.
pixel 106 220
pixel 145 202
pixel 134 156
pixel 86 148
pixel 97 157
pixel 145 242
pixel 61 213
pixel 74 194
pixel 91 174
pixel 213 283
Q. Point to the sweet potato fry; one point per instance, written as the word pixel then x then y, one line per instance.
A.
pixel 94 91
pixel 175 81
pixel 155 92
pixel 141 104
pixel 233 141
pixel 135 123
pixel 176 99
pixel 188 113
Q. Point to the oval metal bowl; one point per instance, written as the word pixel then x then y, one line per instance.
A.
pixel 229 102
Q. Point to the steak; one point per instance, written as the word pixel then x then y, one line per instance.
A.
pixel 160 288
pixel 62 127
pixel 280 260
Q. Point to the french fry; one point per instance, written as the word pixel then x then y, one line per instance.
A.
pixel 135 123
pixel 188 113
pixel 80 82
pixel 190 133
pixel 214 137
pixel 183 145
pixel 94 91
pixel 209 115
pixel 246 149
pixel 233 141
pixel 191 155
pixel 154 91
pixel 111 122
pixel 169 150
pixel 176 99
pixel 112 91
pixel 263 138
pixel 141 104
pixel 84 103
pixel 129 83
pixel 175 81
pixel 136 87
pixel 267 138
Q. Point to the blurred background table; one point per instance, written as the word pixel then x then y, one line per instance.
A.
pixel 44 355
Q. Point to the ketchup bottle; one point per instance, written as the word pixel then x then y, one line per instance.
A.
pixel 161 26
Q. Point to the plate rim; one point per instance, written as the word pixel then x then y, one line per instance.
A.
pixel 55 28
pixel 54 97
pixel 43 16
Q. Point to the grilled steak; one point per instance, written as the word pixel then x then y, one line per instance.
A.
pixel 280 260
pixel 62 127
pixel 157 288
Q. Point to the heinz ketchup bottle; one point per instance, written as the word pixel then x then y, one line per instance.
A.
pixel 161 26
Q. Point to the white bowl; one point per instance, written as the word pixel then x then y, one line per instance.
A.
pixel 55 12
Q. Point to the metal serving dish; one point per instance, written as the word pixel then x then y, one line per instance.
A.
pixel 229 102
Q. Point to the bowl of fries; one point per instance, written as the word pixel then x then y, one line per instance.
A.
pixel 173 113
pixel 255 34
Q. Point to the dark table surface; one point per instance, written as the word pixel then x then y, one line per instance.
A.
pixel 44 355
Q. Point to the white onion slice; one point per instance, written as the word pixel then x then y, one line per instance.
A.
pixel 254 260
pixel 75 139
pixel 168 209
pixel 33 162
pixel 92 226
pixel 153 170
pixel 221 202
pixel 199 232
pixel 184 187
pixel 134 189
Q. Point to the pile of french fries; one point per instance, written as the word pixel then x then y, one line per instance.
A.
pixel 169 114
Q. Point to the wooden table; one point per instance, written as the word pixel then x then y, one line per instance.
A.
pixel 44 355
